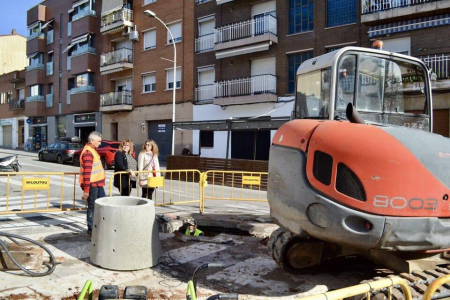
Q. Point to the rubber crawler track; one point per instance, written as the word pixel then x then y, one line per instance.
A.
pixel 418 281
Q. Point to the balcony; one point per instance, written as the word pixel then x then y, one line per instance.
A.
pixel 116 61
pixel 116 20
pixel 84 13
pixel 204 43
pixel 440 68
pixel 84 63
pixel 49 69
pixel 50 37
pixel 37 44
pixel 205 92
pixel 83 100
pixel 35 67
pixel 382 10
pixel 116 101
pixel 69 29
pixel 35 98
pixel 16 104
pixel 245 37
pixel 35 106
pixel 254 89
pixel 49 100
pixel 82 89
pixel 35 74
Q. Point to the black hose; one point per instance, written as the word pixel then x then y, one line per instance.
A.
pixel 12 237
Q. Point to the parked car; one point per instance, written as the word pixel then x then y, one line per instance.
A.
pixel 60 152
pixel 106 150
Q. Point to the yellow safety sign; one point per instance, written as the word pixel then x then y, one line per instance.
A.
pixel 153 182
pixel 35 184
pixel 251 180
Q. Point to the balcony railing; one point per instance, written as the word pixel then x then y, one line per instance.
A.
pixel 50 36
pixel 83 50
pixel 49 69
pixel 69 29
pixel 82 89
pixel 124 14
pixel 35 98
pixel 49 100
pixel 204 43
pixel 84 13
pixel 16 104
pixel 69 92
pixel 35 66
pixel 259 84
pixel 248 28
pixel 69 63
pixel 371 6
pixel 123 55
pixel 116 98
pixel 439 64
pixel 205 92
pixel 36 34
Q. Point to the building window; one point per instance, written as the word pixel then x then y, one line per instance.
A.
pixel 50 89
pixel 295 60
pixel 206 138
pixel 2 98
pixel 9 96
pixel 301 16
pixel 169 78
pixel 150 39
pixel 36 59
pixel 148 83
pixel 36 90
pixel 175 28
pixel 341 12
pixel 86 79
pixel 149 1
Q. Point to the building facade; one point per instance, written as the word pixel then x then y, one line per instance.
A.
pixel 63 80
pixel 420 29
pixel 247 54
pixel 137 68
pixel 13 55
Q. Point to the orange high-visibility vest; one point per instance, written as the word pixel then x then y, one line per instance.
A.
pixel 97 173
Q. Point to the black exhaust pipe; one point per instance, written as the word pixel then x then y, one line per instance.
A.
pixel 352 115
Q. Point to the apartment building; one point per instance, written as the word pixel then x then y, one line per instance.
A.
pixel 13 60
pixel 419 28
pixel 63 81
pixel 13 126
pixel 247 54
pixel 137 69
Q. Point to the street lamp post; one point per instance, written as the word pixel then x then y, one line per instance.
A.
pixel 151 14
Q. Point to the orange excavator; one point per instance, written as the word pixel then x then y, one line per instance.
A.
pixel 358 169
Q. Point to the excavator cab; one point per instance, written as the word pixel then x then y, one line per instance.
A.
pixel 385 88
pixel 358 169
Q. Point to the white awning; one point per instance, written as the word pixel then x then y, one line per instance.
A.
pixel 33 55
pixel 46 24
pixel 50 52
pixel 111 5
pixel 112 71
pixel 80 3
pixel 242 50
pixel 219 2
pixel 81 39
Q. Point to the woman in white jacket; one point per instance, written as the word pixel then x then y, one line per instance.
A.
pixel 148 161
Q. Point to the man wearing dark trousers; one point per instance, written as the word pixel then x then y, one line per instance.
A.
pixel 92 176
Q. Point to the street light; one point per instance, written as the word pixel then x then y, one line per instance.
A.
pixel 151 14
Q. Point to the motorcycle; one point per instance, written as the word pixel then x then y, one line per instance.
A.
pixel 10 164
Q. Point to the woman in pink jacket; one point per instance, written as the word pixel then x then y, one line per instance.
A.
pixel 148 161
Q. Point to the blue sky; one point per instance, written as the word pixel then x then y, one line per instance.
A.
pixel 14 15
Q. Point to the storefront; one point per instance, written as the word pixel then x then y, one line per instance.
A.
pixel 39 133
pixel 6 132
pixel 84 124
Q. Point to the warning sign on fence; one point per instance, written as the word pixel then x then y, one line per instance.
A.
pixel 36 184
pixel 251 180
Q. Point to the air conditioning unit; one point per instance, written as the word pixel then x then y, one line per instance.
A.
pixel 134 35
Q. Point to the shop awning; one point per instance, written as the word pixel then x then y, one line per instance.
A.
pixel 81 39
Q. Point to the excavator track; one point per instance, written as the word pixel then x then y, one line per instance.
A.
pixel 418 282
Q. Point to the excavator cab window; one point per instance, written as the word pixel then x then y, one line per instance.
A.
pixel 383 90
pixel 313 95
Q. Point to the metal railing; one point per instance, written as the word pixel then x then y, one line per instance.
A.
pixel 35 98
pixel 82 89
pixel 205 92
pixel 371 6
pixel 83 50
pixel 36 34
pixel 49 100
pixel 16 104
pixel 259 84
pixel 124 14
pixel 248 28
pixel 123 55
pixel 35 66
pixel 49 68
pixel 40 192
pixel 116 98
pixel 50 37
pixel 439 64
pixel 204 43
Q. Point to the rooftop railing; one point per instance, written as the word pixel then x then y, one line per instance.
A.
pixel 248 28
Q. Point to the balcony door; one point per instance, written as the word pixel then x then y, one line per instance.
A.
pixel 260 12
pixel 263 72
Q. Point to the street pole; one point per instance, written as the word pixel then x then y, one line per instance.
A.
pixel 153 15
